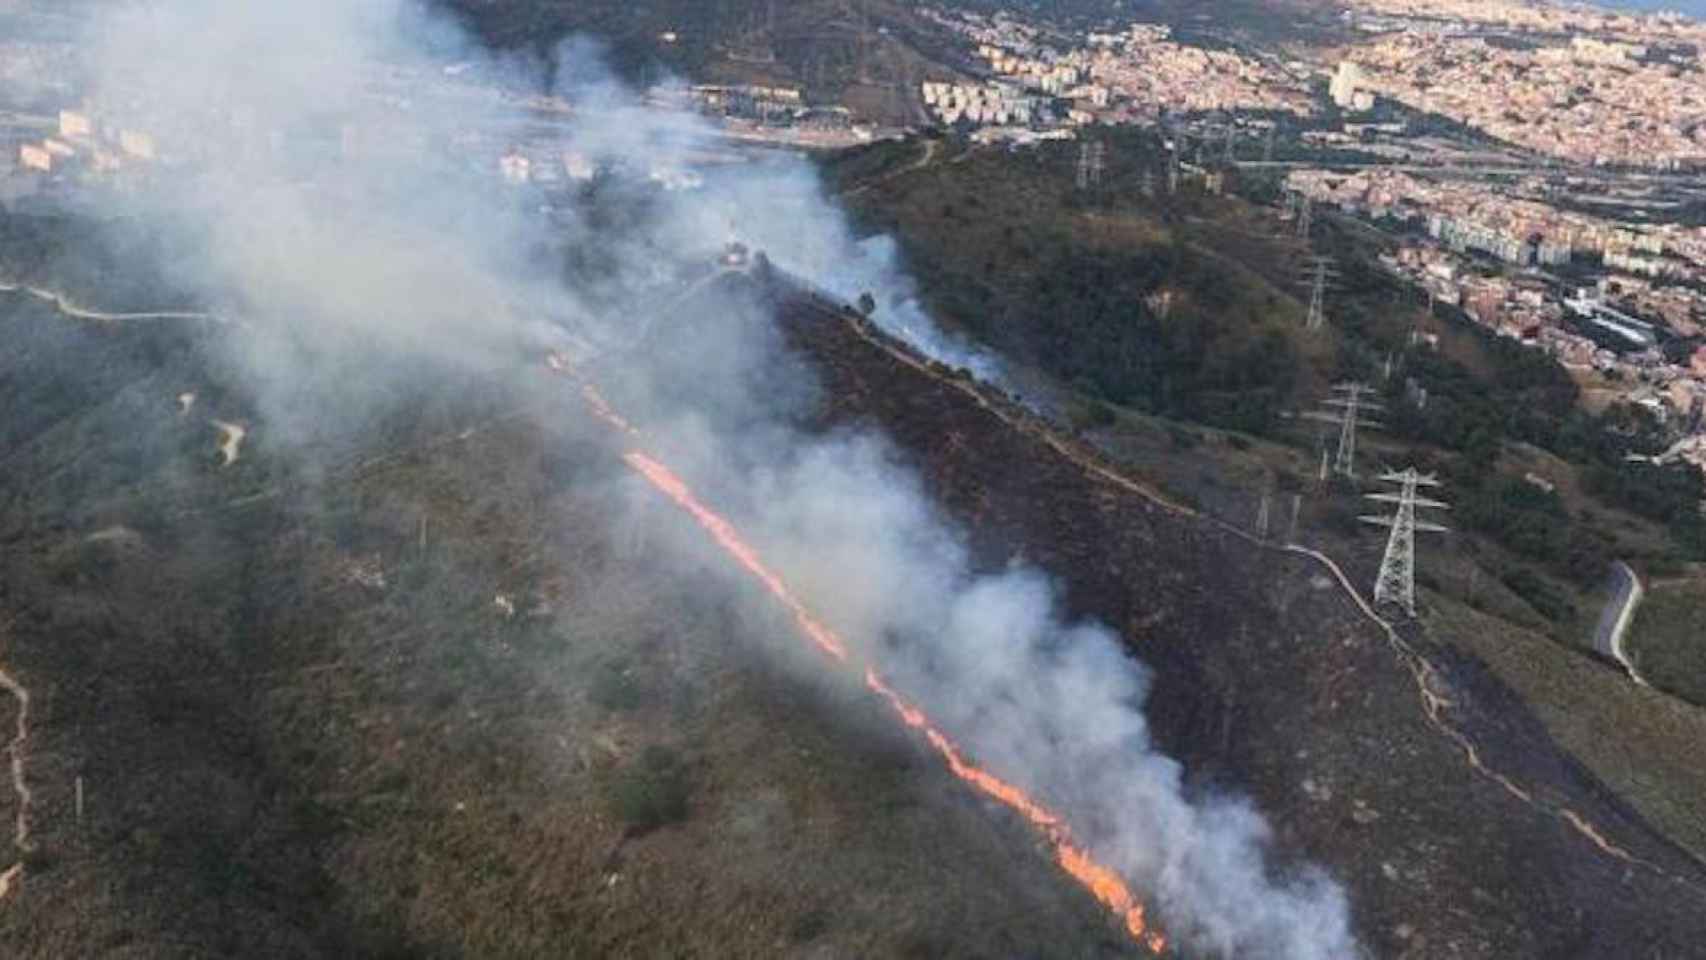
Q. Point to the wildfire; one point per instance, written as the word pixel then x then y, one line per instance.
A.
pixel 1101 881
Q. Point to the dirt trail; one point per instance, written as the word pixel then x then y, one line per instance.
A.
pixel 20 786
pixel 1434 703
pixel 63 304
pixel 931 149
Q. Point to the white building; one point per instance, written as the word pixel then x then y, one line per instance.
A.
pixel 74 124
pixel 32 157
pixel 1345 85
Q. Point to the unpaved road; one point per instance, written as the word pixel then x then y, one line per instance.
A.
pixel 64 305
pixel 1612 633
pixel 20 786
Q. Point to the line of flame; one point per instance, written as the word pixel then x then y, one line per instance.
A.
pixel 1102 881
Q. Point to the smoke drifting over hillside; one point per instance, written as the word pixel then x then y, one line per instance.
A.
pixel 349 216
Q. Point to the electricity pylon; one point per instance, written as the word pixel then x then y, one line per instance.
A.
pixel 1092 160
pixel 1305 219
pixel 1396 584
pixel 1319 277
pixel 1346 408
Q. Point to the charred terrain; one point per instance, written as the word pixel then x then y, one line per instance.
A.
pixel 1401 761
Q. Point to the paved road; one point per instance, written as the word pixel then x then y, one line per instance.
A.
pixel 1477 170
pixel 1612 632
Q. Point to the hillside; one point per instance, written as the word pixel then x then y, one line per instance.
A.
pixel 277 708
pixel 1403 762
pixel 868 55
pixel 406 691
pixel 1146 312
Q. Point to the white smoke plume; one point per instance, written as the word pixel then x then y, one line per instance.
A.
pixel 343 193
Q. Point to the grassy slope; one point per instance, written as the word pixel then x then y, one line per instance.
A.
pixel 1641 743
pixel 1668 638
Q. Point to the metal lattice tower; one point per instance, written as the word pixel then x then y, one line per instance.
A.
pixel 1317 300
pixel 1305 219
pixel 1396 584
pixel 1345 409
pixel 1092 160
pixel 1173 171
pixel 1231 143
pixel 1319 276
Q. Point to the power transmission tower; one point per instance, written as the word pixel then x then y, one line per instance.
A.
pixel 1173 172
pixel 1296 508
pixel 1305 219
pixel 1319 278
pixel 1345 410
pixel 1262 515
pixel 1092 161
pixel 1231 141
pixel 1396 584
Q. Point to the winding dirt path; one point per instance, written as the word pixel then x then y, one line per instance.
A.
pixel 1435 704
pixel 16 750
pixel 931 149
pixel 63 304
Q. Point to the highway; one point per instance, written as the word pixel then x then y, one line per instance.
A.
pixel 1613 630
pixel 1483 170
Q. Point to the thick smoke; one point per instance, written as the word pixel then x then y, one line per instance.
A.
pixel 343 192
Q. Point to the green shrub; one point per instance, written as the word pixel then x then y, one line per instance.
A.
pixel 651 792
pixel 614 688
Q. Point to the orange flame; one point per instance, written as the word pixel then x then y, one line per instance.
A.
pixel 1100 880
pixel 725 535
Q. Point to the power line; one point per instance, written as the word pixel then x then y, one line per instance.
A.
pixel 1396 583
